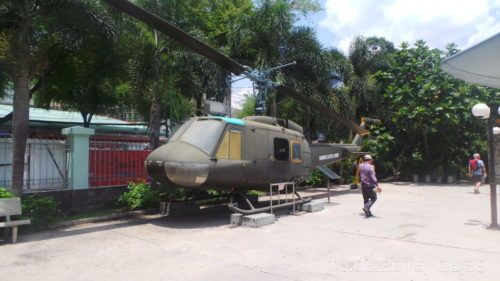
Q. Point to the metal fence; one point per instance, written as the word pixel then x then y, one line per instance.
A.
pixel 46 165
pixel 117 161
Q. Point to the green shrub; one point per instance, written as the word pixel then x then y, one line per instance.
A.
pixel 171 193
pixel 42 210
pixel 316 178
pixel 4 193
pixel 347 170
pixel 139 196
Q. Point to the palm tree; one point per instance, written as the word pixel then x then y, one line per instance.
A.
pixel 161 69
pixel 31 29
pixel 316 74
pixel 367 55
pixel 260 38
pixel 151 64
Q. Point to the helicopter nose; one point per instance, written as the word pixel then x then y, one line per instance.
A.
pixel 179 164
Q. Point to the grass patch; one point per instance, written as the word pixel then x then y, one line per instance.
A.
pixel 256 192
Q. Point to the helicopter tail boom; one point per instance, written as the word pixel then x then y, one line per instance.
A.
pixel 326 153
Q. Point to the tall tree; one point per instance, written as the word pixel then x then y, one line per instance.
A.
pixel 170 68
pixel 428 126
pixel 30 30
pixel 86 79
pixel 151 66
pixel 262 38
pixel 315 75
pixel 367 56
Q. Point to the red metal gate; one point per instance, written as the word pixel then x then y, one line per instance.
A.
pixel 116 161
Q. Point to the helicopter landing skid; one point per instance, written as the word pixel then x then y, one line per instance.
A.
pixel 253 210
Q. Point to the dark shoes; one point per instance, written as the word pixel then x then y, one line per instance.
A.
pixel 367 212
pixel 476 191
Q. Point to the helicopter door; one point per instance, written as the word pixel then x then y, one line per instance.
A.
pixel 258 157
pixel 280 164
pixel 230 165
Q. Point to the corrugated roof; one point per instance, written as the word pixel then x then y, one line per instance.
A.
pixel 53 115
pixel 75 118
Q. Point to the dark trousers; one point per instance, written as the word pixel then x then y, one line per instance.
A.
pixel 369 195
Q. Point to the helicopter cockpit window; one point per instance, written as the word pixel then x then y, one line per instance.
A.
pixel 177 133
pixel 230 147
pixel 203 134
pixel 296 152
pixel 281 149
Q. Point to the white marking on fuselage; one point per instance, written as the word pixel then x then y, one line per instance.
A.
pixel 328 156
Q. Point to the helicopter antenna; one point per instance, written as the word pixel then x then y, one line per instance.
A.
pixel 263 83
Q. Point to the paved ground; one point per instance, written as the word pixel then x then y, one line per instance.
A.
pixel 419 233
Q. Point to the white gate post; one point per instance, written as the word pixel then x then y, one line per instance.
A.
pixel 78 156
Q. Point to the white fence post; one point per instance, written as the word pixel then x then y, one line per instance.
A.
pixel 78 156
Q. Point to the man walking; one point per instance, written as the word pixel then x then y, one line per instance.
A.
pixel 368 184
pixel 477 171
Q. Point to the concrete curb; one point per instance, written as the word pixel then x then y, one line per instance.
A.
pixel 114 216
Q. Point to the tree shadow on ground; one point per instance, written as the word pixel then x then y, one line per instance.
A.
pixel 203 219
pixel 476 223
pixel 314 194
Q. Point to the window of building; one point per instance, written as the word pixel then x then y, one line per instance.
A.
pixel 281 149
pixel 230 147
pixel 296 152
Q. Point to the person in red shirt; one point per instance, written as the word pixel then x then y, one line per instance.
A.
pixel 477 171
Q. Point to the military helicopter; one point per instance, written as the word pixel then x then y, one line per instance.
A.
pixel 238 154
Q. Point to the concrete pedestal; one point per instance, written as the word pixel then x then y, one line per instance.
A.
pixel 236 219
pixel 258 220
pixel 313 206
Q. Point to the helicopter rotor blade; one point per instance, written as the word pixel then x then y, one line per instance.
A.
pixel 177 34
pixel 321 108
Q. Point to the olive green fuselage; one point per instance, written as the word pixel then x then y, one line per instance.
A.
pixel 234 154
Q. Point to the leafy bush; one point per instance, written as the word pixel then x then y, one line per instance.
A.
pixel 42 210
pixel 347 170
pixel 316 178
pixel 426 115
pixel 4 193
pixel 172 193
pixel 139 196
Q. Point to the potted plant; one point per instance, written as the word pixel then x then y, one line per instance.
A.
pixel 427 172
pixel 417 165
pixel 439 174
pixel 415 178
pixel 451 172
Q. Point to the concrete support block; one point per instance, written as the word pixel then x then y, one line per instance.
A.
pixel 258 220
pixel 236 219
pixel 313 206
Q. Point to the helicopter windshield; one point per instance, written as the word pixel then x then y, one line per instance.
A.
pixel 204 134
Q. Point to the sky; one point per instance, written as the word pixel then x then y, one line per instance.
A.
pixel 438 22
